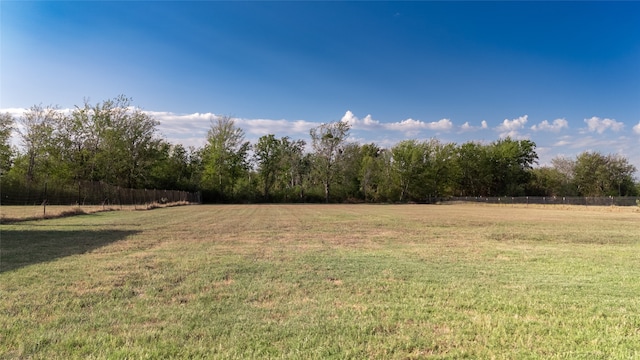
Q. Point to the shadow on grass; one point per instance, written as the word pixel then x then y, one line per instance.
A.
pixel 20 248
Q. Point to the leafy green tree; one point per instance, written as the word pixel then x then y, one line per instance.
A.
pixel 590 174
pixel 565 169
pixel 546 181
pixel 388 189
pixel 181 161
pixel 621 176
pixel 77 143
pixel 165 172
pixel 268 153
pixel 511 162
pixel 328 142
pixel 473 171
pixel 370 171
pixel 225 158
pixel 295 167
pixel 282 167
pixel 347 179
pixel 6 151
pixel 195 167
pixel 172 169
pixel 441 171
pixel 410 161
pixel 603 175
pixel 37 127
pixel 127 142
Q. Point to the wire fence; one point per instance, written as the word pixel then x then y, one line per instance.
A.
pixel 552 200
pixel 91 193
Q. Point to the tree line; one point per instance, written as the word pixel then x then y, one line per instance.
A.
pixel 119 144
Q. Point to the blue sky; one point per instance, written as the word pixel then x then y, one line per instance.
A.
pixel 563 74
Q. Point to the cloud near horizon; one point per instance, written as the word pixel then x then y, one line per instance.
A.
pixel 407 126
pixel 511 128
pixel 596 124
pixel 556 126
pixel 466 127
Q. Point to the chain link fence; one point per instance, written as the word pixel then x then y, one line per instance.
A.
pixel 551 200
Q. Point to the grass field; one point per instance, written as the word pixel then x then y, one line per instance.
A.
pixel 323 281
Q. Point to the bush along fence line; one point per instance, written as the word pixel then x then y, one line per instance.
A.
pixel 92 193
pixel 552 200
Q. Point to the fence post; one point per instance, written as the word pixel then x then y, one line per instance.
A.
pixel 44 202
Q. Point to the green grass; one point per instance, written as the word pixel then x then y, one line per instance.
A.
pixel 323 281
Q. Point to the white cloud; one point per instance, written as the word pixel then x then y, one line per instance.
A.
pixel 510 128
pixel 409 126
pixel 590 143
pixel 169 116
pixel 557 125
pixel 412 126
pixel 563 141
pixel 595 124
pixel 18 112
pixel 466 127
pixel 545 154
pixel 636 129
pixel 368 120
pixel 440 125
pixel 406 125
pixel 515 124
pixel 15 112
pixel 349 118
pixel 182 125
pixel 267 126
pixel 368 123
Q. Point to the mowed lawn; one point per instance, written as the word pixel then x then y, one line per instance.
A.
pixel 323 281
